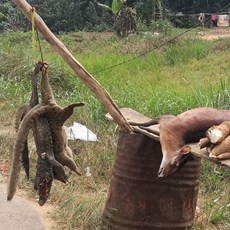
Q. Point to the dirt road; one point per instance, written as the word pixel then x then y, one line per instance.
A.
pixel 21 213
pixel 214 33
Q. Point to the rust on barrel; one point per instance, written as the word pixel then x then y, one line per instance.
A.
pixel 137 199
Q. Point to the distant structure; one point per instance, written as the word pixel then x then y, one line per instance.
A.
pixel 223 20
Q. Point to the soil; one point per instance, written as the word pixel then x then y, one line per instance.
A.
pixel 22 212
pixel 214 33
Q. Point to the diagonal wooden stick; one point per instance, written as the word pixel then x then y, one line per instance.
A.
pixel 83 74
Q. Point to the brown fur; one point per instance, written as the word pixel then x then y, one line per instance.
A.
pixel 57 117
pixel 176 131
pixel 44 117
pixel 23 110
pixel 21 137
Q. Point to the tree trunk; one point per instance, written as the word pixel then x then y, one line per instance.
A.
pixel 160 10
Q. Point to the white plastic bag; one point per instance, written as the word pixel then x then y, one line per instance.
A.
pixel 80 132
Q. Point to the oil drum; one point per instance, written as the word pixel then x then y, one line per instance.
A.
pixel 138 200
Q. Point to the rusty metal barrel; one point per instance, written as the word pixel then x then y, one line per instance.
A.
pixel 138 200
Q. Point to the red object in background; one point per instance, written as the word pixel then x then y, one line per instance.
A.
pixel 4 168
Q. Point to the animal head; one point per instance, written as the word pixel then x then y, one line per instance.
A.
pixel 43 180
pixel 172 162
pixel 59 174
pixel 43 186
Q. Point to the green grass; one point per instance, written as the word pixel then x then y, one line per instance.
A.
pixel 184 74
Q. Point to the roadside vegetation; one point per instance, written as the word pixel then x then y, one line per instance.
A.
pixel 181 75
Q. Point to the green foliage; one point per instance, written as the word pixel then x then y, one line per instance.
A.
pixel 144 11
pixel 160 25
pixel 59 16
pixel 10 17
pixel 216 211
pixel 185 51
pixel 191 6
pixel 88 15
pixel 117 5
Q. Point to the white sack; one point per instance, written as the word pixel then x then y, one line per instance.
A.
pixel 80 132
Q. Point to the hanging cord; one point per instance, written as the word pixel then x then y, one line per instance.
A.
pixel 143 54
pixel 223 7
pixel 35 37
pixel 40 47
pixel 34 43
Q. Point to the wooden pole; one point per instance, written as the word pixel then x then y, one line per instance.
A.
pixel 83 74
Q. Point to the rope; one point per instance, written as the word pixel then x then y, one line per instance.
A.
pixel 34 43
pixel 39 43
pixel 143 54
pixel 35 36
pixel 223 7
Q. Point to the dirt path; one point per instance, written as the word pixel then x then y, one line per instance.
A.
pixel 22 213
pixel 215 33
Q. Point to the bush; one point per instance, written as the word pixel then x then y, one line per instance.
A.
pixel 164 26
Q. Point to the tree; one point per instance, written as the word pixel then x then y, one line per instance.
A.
pixel 149 10
pixel 10 17
pixel 125 17
pixel 59 15
pixel 88 15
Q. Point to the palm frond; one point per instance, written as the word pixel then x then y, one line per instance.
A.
pixel 104 6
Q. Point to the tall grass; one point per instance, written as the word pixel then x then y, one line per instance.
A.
pixel 183 75
pixel 186 51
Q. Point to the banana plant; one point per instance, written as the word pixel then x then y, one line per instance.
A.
pixel 125 18
pixel 115 7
